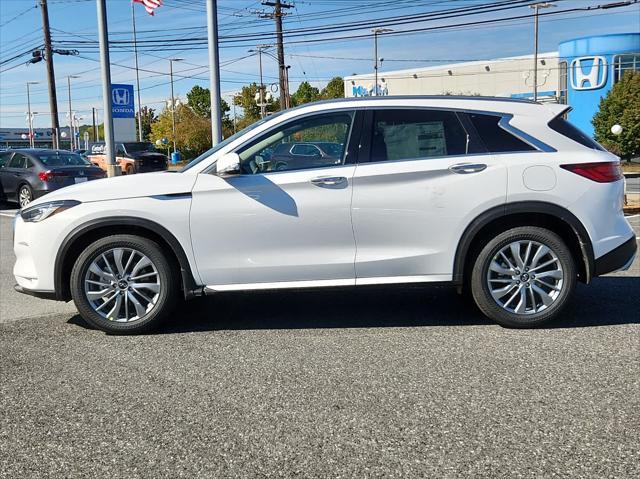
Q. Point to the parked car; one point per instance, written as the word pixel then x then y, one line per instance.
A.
pixel 26 174
pixel 133 157
pixel 501 198
pixel 288 156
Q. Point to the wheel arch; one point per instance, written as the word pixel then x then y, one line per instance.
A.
pixel 86 233
pixel 525 213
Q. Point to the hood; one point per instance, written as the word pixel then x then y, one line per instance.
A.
pixel 120 187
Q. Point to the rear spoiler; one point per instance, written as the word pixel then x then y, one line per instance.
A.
pixel 557 109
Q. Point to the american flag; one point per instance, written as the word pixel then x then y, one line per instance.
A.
pixel 149 5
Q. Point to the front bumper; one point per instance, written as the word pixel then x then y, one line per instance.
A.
pixel 617 259
pixel 38 294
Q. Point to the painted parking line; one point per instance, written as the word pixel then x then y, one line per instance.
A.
pixel 8 213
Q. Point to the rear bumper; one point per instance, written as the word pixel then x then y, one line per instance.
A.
pixel 617 259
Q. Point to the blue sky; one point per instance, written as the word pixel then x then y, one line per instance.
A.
pixel 316 61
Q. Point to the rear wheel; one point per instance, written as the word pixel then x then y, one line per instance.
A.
pixel 25 195
pixel 124 284
pixel 523 277
pixel 128 170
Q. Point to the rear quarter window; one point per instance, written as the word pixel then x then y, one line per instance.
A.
pixel 565 128
pixel 494 137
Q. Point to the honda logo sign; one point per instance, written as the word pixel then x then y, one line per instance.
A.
pixel 122 101
pixel 588 73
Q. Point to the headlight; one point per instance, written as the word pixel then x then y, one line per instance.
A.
pixel 40 212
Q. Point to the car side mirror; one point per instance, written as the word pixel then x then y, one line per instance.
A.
pixel 228 164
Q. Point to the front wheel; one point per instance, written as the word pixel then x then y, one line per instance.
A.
pixel 124 284
pixel 523 277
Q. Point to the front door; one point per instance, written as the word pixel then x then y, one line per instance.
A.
pixel 427 177
pixel 285 221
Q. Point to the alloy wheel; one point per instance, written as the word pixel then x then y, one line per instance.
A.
pixel 525 277
pixel 122 284
pixel 24 197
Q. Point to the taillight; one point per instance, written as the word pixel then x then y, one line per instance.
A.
pixel 602 172
pixel 48 175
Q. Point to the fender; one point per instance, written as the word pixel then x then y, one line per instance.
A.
pixel 189 285
pixel 520 207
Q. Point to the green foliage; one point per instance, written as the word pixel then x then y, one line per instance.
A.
pixel 334 89
pixel 199 99
pixel 247 101
pixel 305 94
pixel 621 106
pixel 148 117
pixel 193 133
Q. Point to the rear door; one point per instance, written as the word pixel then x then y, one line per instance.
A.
pixel 5 156
pixel 12 174
pixel 426 175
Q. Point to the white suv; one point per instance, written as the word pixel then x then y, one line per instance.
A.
pixel 501 198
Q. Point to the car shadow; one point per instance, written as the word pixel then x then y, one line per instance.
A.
pixel 608 301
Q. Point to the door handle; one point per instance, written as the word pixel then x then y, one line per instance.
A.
pixel 466 168
pixel 329 181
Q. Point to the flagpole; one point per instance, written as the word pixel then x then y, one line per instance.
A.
pixel 135 53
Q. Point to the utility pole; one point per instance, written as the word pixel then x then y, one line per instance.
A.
pixel 135 54
pixel 53 100
pixel 173 101
pixel 376 32
pixel 536 7
pixel 214 72
pixel 71 133
pixel 282 69
pixel 95 127
pixel 103 36
pixel 30 117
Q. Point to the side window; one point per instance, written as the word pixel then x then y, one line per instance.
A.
pixel 120 149
pixel 313 142
pixel 406 134
pixel 29 163
pixel 4 157
pixel 18 161
pixel 496 138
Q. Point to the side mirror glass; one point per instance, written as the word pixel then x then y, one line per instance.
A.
pixel 229 164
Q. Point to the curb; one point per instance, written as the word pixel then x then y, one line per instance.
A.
pixel 631 175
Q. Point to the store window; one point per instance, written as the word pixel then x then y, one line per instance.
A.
pixel 625 63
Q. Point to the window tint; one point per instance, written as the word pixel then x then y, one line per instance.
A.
pixel 495 138
pixel 565 128
pixel 409 134
pixel 29 163
pixel 298 145
pixel 18 161
pixel 4 157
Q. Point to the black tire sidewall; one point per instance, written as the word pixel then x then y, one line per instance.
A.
pixel 154 252
pixel 480 289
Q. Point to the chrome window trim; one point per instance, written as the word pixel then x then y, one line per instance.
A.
pixel 505 124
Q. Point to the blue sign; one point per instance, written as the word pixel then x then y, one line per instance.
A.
pixel 122 105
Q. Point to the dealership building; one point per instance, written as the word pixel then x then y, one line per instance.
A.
pixel 579 74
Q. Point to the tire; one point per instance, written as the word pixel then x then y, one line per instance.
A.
pixel 128 170
pixel 25 195
pixel 144 307
pixel 498 281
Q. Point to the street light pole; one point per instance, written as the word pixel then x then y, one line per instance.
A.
pixel 376 32
pixel 71 134
pixel 30 118
pixel 536 7
pixel 173 102
pixel 262 49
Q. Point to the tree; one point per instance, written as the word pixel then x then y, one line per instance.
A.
pixel 251 111
pixel 199 99
pixel 193 133
pixel 621 106
pixel 334 89
pixel 305 94
pixel 148 117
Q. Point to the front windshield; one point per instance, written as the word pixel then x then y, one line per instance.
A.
pixel 225 142
pixel 59 158
pixel 139 146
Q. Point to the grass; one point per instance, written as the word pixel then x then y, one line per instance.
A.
pixel 629 167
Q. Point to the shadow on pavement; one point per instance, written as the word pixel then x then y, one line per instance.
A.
pixel 607 301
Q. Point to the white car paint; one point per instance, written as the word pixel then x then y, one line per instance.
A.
pixel 391 222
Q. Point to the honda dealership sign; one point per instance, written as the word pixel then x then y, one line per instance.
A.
pixel 123 110
pixel 588 73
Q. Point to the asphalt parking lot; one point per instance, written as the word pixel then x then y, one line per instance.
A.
pixel 374 383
